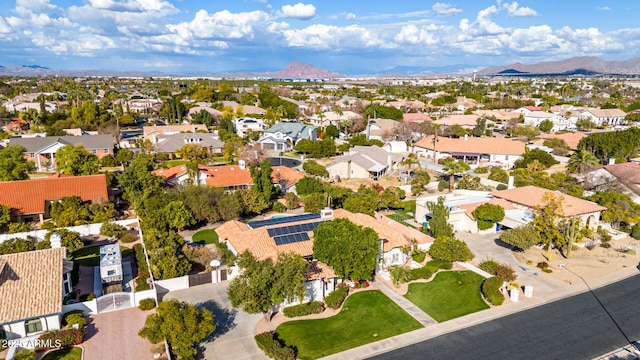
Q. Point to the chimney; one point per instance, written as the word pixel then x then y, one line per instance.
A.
pixel 242 164
pixel 510 183
pixel 466 137
pixel 56 241
pixel 612 161
pixel 326 213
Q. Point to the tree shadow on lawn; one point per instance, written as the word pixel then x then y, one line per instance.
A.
pixel 223 318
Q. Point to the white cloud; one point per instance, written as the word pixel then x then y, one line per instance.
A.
pixel 514 10
pixel 298 11
pixel 324 37
pixel 350 16
pixel 603 8
pixel 411 34
pixel 443 9
pixel 221 25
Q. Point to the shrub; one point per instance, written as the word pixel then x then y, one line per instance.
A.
pixel 292 200
pixel 143 269
pixel 502 271
pixel 449 249
pixel 335 299
pixel 547 270
pixel 74 317
pixel 501 187
pixel 631 252
pixel 443 185
pixel 128 238
pixel 313 168
pixel 419 255
pixel 87 297
pixel 635 231
pixel 272 347
pixel 491 290
pixel 482 170
pixel 498 174
pixel 400 274
pixel 25 354
pixel 279 207
pixel 147 304
pixel 488 214
pixel 542 265
pixel 421 273
pixel 605 245
pixel 66 337
pixel 313 307
pixel 112 230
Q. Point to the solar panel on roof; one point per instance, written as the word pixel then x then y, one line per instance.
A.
pixel 290 238
pixel 282 220
pixel 298 228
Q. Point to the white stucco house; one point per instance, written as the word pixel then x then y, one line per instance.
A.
pixel 32 287
pixel 475 151
pixel 609 117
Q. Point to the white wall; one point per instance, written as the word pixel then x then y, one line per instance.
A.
pixel 388 257
pixel 342 170
pixel 84 230
pixel 141 295
pixel 88 307
pixel 174 284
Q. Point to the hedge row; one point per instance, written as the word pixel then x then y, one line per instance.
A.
pixel 143 269
pixel 314 307
pixel 272 347
pixel 335 298
pixel 421 273
pixel 491 290
pixel 66 338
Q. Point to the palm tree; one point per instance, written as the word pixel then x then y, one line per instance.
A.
pixel 452 168
pixel 582 161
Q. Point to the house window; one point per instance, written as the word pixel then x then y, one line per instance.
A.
pixel 493 157
pixel 106 151
pixel 506 157
pixel 33 326
pixel 395 258
pixel 95 151
pixel 32 155
pixel 111 272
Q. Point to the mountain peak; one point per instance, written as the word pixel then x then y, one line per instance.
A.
pixel 300 70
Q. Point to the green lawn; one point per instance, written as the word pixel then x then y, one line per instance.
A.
pixel 90 256
pixel 449 295
pixel 72 353
pixel 365 317
pixel 205 237
pixel 171 163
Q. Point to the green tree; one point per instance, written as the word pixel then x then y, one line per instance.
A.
pixel 521 238
pixel 349 249
pixel 526 132
pixel 419 182
pixel 582 161
pixel 314 202
pixel 559 146
pixel 620 208
pixel 252 201
pixel 313 168
pixel 181 324
pixel 5 216
pixel 377 111
pixel 264 285
pixel 178 215
pixel 331 132
pixel 138 182
pixel 545 125
pixel 438 224
pixel 204 202
pixel 16 245
pixel 309 185
pixel 70 239
pixel 75 160
pixel 124 156
pixel 487 215
pixel 545 159
pixel 262 181
pixel 193 152
pixel 450 249
pixel 70 211
pixel 292 201
pixel 480 128
pixel 585 124
pixel 498 174
pixel 13 165
pixel 452 168
pixel 545 222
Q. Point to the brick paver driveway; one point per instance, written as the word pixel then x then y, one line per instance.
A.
pixel 114 335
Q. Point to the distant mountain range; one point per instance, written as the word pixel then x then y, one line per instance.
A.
pixel 296 70
pixel 585 65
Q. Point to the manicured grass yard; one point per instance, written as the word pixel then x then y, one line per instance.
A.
pixel 72 353
pixel 365 317
pixel 449 295
pixel 205 237
pixel 171 163
pixel 90 256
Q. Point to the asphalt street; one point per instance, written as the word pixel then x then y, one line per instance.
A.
pixel 583 326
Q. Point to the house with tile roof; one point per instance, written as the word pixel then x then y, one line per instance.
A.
pixel 416 117
pixel 466 121
pixel 266 239
pixel 42 150
pixel 32 288
pixel 624 178
pixel 609 117
pixel 31 199
pixel 363 162
pixel 229 177
pixel 284 136
pixel 531 197
pixel 170 143
pixel 153 132
pixel 571 138
pixel 378 129
pixel 333 118
pixel 475 151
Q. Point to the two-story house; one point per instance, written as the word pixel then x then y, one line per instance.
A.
pixel 284 136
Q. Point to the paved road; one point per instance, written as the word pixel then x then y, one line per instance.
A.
pixel 583 326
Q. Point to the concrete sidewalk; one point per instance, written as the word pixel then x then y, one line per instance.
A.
pixel 407 305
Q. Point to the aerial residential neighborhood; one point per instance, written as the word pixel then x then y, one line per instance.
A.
pixel 167 193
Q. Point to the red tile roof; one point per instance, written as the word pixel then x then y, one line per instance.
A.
pixel 572 139
pixel 233 175
pixel 474 145
pixel 531 197
pixel 28 196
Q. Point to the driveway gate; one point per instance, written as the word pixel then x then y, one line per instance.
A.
pixel 114 301
pixel 199 279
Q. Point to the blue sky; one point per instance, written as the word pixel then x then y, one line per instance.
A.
pixel 347 36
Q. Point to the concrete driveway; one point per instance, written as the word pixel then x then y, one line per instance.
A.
pixel 488 247
pixel 233 338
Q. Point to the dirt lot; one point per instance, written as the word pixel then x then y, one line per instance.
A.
pixel 589 264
